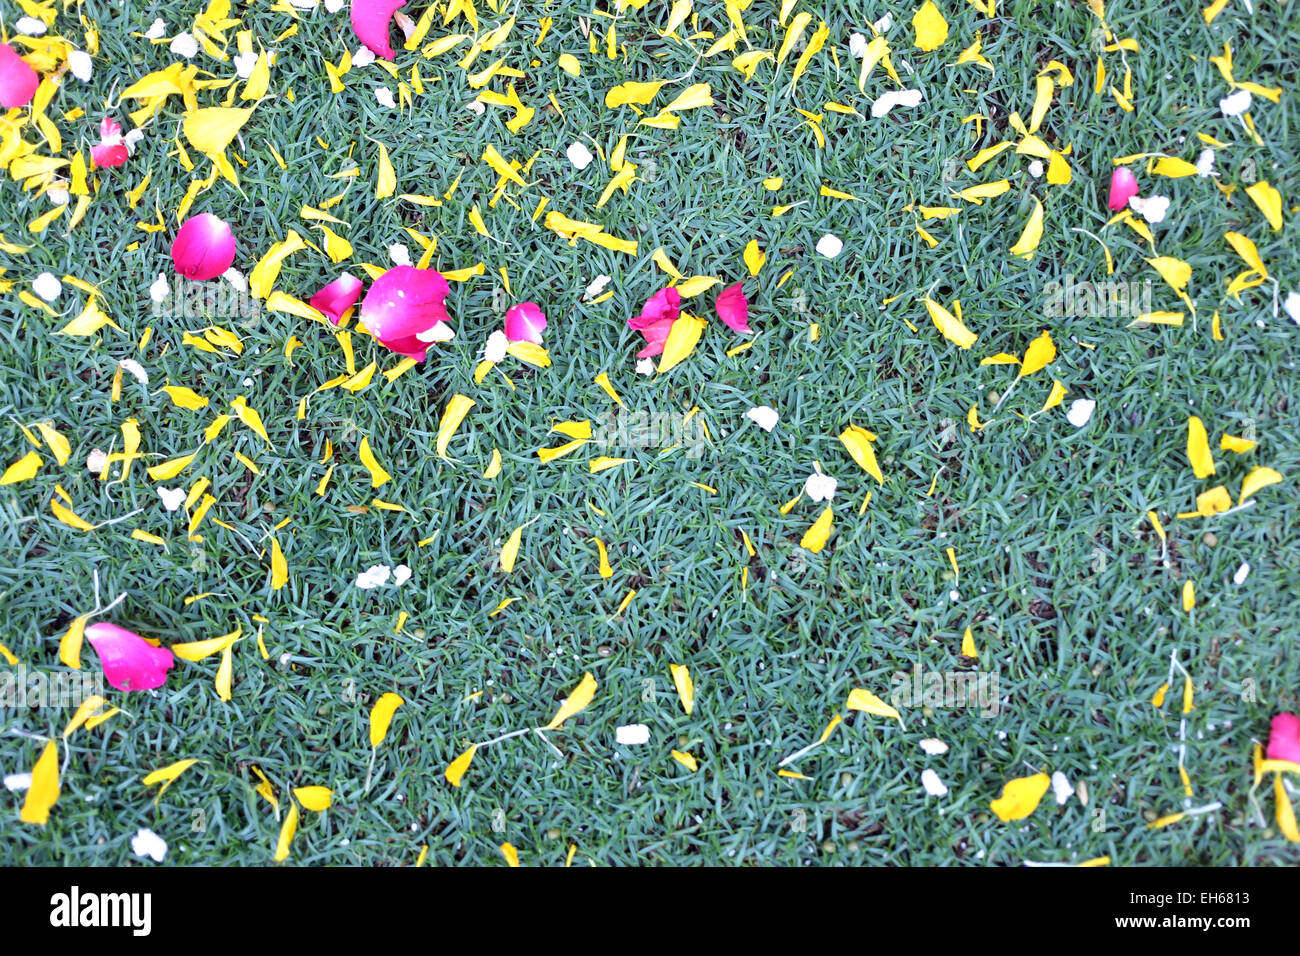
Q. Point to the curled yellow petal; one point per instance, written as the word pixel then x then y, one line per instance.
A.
pixel 381 715
pixel 1020 797
pixel 576 702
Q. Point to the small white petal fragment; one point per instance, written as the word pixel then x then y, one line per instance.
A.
pixel 579 155
pixel 373 576
pixel 820 487
pixel 159 288
pixel 596 286
pixel 1234 104
pixel 1080 412
pixel 1062 787
pixel 632 735
pixel 147 843
pixel 400 255
pixel 933 785
pixel 156 30
pixel 47 286
pixel 172 498
pixel 829 246
pixel 764 416
pixel 1205 163
pixel 136 369
pixel 362 56
pixel 401 574
pixel 385 97
pixel 895 98
pixel 1153 208
pixel 30 26
pixel 1243 572
pixel 645 367
pixel 184 44
pixel 934 746
pixel 81 65
pixel 1292 306
pixel 495 350
pixel 18 782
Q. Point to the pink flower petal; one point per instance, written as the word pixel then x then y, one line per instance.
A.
pixel 525 323
pixel 656 334
pixel 1123 187
pixel 130 662
pixel 1284 741
pixel 204 247
pixel 109 131
pixel 337 297
pixel 733 307
pixel 106 157
pixel 664 304
pixel 370 22
pixel 18 81
pixel 403 303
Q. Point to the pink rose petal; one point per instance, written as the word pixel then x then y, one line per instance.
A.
pixel 130 662
pixel 664 304
pixel 204 247
pixel 337 297
pixel 525 323
pixel 370 22
pixel 656 334
pixel 403 303
pixel 106 157
pixel 18 81
pixel 733 307
pixel 1123 187
pixel 1284 740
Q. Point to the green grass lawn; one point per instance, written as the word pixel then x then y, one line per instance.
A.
pixel 1075 607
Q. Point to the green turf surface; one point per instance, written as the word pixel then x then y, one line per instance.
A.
pixel 1061 576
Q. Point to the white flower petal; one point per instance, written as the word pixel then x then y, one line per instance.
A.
pixel 764 416
pixel 495 350
pixel 820 487
pixel 184 44
pixel 1080 412
pixel 400 255
pixel 438 332
pixel 596 286
pixel 172 498
pixel 1062 787
pixel 17 782
pixel 334 6
pixel 81 65
pixel 159 288
pixel 579 155
pixel 147 843
pixel 632 735
pixel 1242 573
pixel 30 26
pixel 244 63
pixel 933 785
pixel 363 56
pixel 645 366
pixel 933 746
pixel 236 279
pixel 96 461
pixel 385 97
pixel 1205 162
pixel 1151 208
pixel 136 369
pixel 1292 306
pixel 1234 104
pixel 830 246
pixel 373 576
pixel 893 98
pixel 47 286
pixel 401 574
pixel 156 30
pixel 857 45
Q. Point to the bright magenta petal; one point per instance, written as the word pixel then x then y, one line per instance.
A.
pixel 656 334
pixel 1123 187
pixel 664 304
pixel 337 297
pixel 106 157
pixel 525 323
pixel 1284 741
pixel 18 81
pixel 130 662
pixel 204 247
pixel 370 22
pixel 733 307
pixel 403 308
